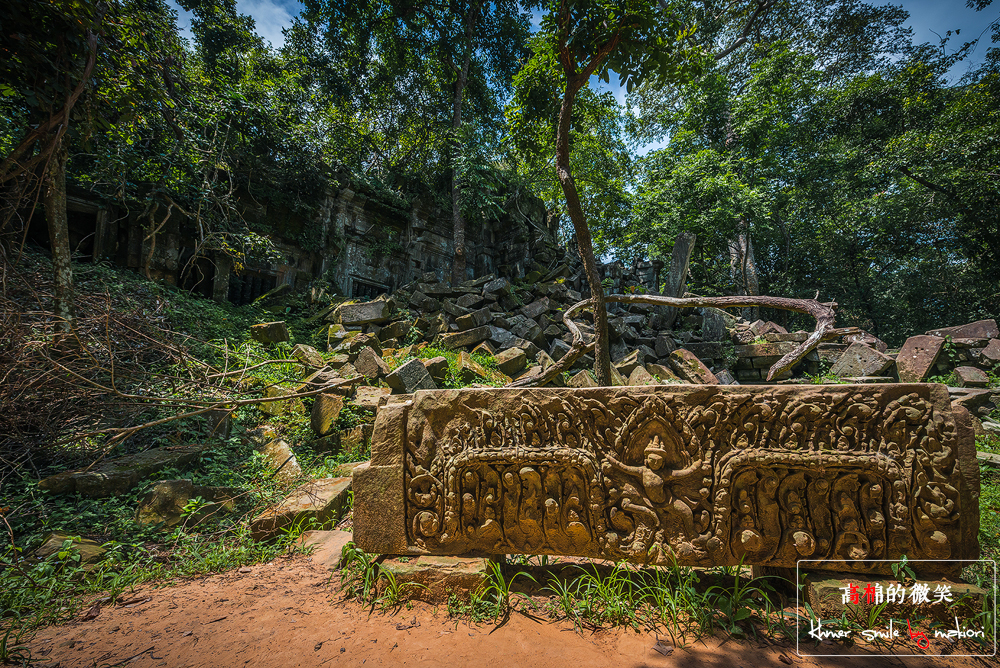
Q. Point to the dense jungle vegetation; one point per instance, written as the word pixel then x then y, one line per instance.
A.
pixel 812 145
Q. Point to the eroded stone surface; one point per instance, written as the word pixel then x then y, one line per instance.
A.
pixel 279 456
pixel 861 360
pixel 970 376
pixel 981 329
pixel 511 361
pixel 361 314
pixel 410 377
pixel 917 357
pixel 438 577
pixel 991 353
pixel 715 475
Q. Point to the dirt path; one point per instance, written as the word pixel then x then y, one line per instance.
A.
pixel 284 614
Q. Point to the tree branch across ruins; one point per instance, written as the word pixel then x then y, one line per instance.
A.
pixel 823 312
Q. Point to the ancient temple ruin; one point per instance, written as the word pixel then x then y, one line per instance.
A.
pixel 362 242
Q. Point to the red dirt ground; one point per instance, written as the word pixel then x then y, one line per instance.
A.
pixel 286 614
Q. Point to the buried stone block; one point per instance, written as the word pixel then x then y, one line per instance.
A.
pixel 709 475
pixel 117 476
pixel 90 551
pixel 269 332
pixel 166 500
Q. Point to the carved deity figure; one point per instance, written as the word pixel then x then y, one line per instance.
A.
pixel 658 490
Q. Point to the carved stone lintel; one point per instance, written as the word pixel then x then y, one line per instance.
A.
pixel 706 475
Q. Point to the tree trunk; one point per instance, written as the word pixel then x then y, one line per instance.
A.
pixel 743 266
pixel 55 217
pixel 458 267
pixel 602 355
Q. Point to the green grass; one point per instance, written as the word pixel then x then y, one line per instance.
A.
pixel 494 377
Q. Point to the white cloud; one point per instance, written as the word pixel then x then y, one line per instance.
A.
pixel 269 16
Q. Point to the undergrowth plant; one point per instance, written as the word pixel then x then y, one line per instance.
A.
pixel 359 574
pixel 362 578
pixel 674 599
pixel 493 377
pixel 496 594
pixel 394 593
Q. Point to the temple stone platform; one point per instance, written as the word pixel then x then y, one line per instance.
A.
pixel 707 475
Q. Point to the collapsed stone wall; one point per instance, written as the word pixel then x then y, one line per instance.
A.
pixel 381 247
pixel 360 241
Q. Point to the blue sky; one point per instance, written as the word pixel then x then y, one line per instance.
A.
pixel 925 16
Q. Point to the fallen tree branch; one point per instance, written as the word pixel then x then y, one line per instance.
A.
pixel 121 433
pixel 214 403
pixel 824 313
pixel 577 349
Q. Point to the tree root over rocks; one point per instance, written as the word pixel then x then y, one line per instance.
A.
pixel 824 313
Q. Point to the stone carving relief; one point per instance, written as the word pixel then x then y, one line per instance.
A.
pixel 713 476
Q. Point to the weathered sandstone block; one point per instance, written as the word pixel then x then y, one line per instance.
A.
pixel 269 332
pixel 713 475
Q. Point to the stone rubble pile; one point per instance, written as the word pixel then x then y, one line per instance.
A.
pixel 519 325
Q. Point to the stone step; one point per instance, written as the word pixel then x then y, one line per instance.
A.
pixel 328 547
pixel 324 500
pixel 438 576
